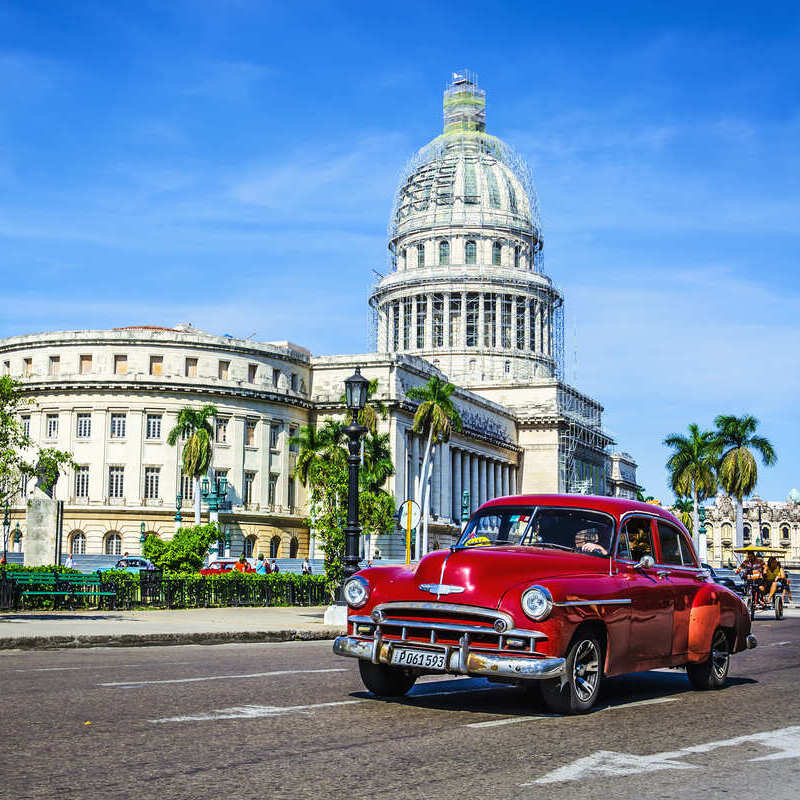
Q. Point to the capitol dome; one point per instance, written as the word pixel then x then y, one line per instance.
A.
pixel 466 289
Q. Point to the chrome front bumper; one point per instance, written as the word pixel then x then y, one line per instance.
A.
pixel 460 660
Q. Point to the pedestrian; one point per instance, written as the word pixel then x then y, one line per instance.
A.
pixel 70 562
pixel 262 568
pixel 306 566
pixel 241 565
pixel 274 566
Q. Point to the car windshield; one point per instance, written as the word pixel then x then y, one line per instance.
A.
pixel 569 529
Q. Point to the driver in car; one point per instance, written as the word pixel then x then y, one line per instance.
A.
pixel 586 541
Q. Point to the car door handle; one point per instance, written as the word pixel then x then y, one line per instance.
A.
pixel 663 573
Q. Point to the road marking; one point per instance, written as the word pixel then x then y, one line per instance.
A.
pixel 253 712
pixel 608 764
pixel 137 684
pixel 92 667
pixel 530 717
pixel 779 644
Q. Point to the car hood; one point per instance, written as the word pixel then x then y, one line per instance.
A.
pixel 481 576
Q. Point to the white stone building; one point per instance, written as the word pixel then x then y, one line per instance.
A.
pixel 465 298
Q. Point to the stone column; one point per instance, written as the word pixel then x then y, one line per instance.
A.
pixel 414 476
pixel 429 322
pixel 445 481
pixel 446 321
pixel 401 324
pixel 436 480
pixel 505 479
pixel 474 485
pixel 513 480
pixel 455 505
pixel 538 327
pixel 382 327
pixel 514 323
pixel 498 479
pixel 466 473
pixel 481 321
pixel 527 324
pixel 490 488
pixel 413 341
pixel 498 321
pixel 463 343
pixel 482 481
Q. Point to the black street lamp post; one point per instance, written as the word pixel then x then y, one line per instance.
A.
pixel 6 531
pixel 214 497
pixel 355 388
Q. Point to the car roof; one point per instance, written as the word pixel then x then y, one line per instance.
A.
pixel 616 506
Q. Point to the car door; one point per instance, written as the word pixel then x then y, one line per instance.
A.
pixel 677 566
pixel 651 596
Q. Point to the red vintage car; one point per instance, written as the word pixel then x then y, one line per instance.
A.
pixel 549 591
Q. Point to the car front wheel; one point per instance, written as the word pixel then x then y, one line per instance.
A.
pixel 713 672
pixel 385 681
pixel 576 692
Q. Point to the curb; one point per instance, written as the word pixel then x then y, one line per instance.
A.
pixel 164 639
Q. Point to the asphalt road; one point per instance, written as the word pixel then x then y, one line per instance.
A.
pixel 293 721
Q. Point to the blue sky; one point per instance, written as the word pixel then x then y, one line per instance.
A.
pixel 232 164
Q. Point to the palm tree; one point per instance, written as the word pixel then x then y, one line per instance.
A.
pixel 378 466
pixel 436 418
pixel 317 444
pixel 737 470
pixel 193 426
pixel 373 409
pixel 684 508
pixel 692 472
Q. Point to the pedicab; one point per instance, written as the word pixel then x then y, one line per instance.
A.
pixel 756 590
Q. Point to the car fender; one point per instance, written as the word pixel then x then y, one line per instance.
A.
pixel 715 606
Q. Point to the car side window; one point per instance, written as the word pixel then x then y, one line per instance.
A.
pixel 686 551
pixel 635 539
pixel 669 538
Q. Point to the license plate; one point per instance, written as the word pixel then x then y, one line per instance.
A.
pixel 418 658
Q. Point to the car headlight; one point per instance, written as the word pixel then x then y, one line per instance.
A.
pixel 356 591
pixel 537 602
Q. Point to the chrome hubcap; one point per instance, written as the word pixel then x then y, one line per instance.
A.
pixel 720 654
pixel 586 670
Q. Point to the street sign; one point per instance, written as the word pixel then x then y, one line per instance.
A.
pixel 409 518
pixel 409 509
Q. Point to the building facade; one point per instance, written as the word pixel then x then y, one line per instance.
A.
pixel 768 523
pixel 465 298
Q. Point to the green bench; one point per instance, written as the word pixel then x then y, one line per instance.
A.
pixel 61 586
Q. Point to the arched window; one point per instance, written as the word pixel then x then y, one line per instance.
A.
pixel 473 365
pixel 727 534
pixel 420 255
pixel 444 252
pixel 220 548
pixel 294 547
pixel 274 546
pixel 403 258
pixel 471 253
pixel 746 533
pixel 765 534
pixel 113 544
pixel 497 253
pixel 249 546
pixel 507 367
pixel 516 257
pixel 77 543
pixel 785 532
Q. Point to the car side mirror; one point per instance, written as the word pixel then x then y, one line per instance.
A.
pixel 645 562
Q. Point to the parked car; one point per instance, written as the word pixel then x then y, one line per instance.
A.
pixel 554 592
pixel 726 577
pixel 221 565
pixel 132 564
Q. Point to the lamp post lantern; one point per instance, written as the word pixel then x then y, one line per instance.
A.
pixel 355 390
pixel 214 497
pixel 142 534
pixel 178 517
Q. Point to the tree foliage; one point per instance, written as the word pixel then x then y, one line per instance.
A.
pixel 194 426
pixel 736 438
pixel 19 455
pixel 185 551
pixel 322 467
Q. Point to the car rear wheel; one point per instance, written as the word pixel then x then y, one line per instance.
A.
pixel 778 601
pixel 577 690
pixel 385 681
pixel 713 672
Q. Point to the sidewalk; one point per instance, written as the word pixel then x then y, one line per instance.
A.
pixel 49 630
